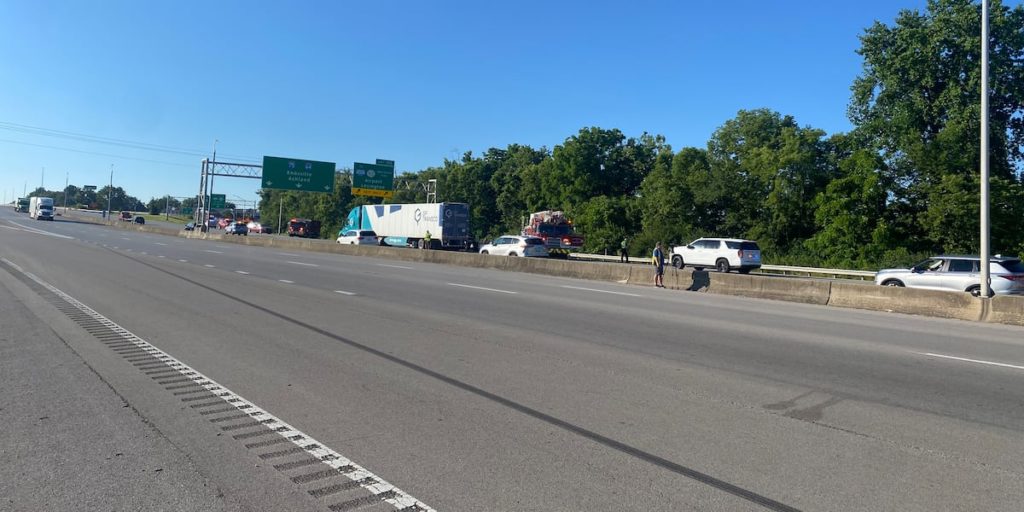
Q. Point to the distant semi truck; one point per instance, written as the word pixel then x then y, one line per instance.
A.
pixel 22 205
pixel 407 224
pixel 41 208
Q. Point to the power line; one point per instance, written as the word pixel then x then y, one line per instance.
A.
pixel 145 146
pixel 96 153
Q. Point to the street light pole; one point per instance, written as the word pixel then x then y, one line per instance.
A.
pixel 110 190
pixel 67 175
pixel 984 261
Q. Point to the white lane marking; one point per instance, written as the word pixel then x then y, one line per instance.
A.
pixel 394 266
pixel 303 264
pixel 215 252
pixel 183 261
pixel 124 238
pixel 343 292
pixel 40 231
pixel 289 254
pixel 8 227
pixel 209 266
pixel 143 252
pixel 979 361
pixel 160 243
pixel 481 288
pixel 160 256
pixel 286 281
pixel 601 291
pixel 376 485
pixel 242 272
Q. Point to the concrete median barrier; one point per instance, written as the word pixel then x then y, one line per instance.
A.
pixel 1005 309
pixel 935 303
pixel 808 291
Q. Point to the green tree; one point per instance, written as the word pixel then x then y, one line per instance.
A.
pixel 917 102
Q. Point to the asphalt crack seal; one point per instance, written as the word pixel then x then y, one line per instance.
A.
pixel 608 442
pixel 379 489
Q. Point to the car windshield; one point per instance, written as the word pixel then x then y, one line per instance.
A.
pixel 367 233
pixel 1013 266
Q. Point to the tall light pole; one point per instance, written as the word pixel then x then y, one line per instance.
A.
pixel 66 176
pixel 984 260
pixel 110 190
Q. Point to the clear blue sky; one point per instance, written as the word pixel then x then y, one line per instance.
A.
pixel 410 81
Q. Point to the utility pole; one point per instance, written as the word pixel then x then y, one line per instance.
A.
pixel 110 190
pixel 66 176
pixel 280 210
pixel 984 260
pixel 42 179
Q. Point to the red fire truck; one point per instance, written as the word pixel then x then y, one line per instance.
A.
pixel 559 236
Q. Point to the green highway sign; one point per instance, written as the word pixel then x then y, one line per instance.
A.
pixel 295 174
pixel 89 188
pixel 186 210
pixel 387 163
pixel 373 180
pixel 217 200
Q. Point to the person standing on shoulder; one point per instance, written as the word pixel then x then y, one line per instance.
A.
pixel 658 259
pixel 624 250
pixel 426 240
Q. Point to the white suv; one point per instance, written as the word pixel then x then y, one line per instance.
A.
pixel 724 254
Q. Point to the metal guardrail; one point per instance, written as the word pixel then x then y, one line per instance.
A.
pixel 834 273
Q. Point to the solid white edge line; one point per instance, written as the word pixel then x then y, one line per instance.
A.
pixel 601 291
pixel 335 460
pixel 979 361
pixel 286 281
pixel 40 231
pixel 303 264
pixel 482 288
pixel 241 272
pixel 343 292
pixel 215 252
pixel 209 266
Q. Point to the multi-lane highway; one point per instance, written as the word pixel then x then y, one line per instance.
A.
pixel 261 379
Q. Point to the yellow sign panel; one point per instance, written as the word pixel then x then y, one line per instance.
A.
pixel 372 192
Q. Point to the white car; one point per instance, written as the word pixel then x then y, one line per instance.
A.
pixel 256 227
pixel 357 237
pixel 515 245
pixel 722 254
pixel 958 274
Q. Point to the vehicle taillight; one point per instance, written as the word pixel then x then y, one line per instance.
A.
pixel 740 253
pixel 1012 277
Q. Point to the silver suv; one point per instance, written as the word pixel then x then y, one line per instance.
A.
pixel 724 254
pixel 958 274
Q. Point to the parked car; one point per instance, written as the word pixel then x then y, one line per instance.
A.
pixel 256 227
pixel 958 274
pixel 357 237
pixel 126 216
pixel 236 228
pixel 723 254
pixel 140 219
pixel 223 222
pixel 516 245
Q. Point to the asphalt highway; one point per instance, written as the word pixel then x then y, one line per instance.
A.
pixel 471 389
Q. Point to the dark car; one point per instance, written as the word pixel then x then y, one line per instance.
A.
pixel 236 228
pixel 190 226
pixel 140 220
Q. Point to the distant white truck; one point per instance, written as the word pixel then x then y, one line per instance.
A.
pixel 41 208
pixel 407 224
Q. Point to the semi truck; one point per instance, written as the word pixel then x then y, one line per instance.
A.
pixel 407 224
pixel 557 232
pixel 22 205
pixel 41 208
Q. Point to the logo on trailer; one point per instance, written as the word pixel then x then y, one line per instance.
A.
pixel 448 213
pixel 418 215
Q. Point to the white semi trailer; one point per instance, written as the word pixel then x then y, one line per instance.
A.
pixel 407 224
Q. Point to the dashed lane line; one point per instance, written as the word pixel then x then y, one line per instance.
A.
pixel 601 291
pixel 394 266
pixel 343 292
pixel 209 266
pixel 978 361
pixel 303 264
pixel 213 251
pixel 286 281
pixel 242 272
pixel 482 288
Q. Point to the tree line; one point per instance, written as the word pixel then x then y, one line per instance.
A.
pixel 903 183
